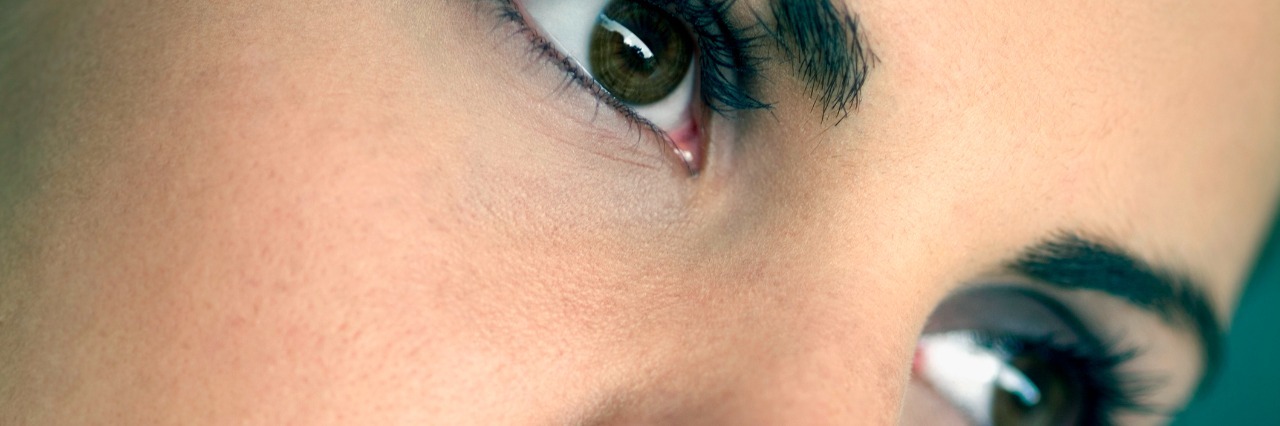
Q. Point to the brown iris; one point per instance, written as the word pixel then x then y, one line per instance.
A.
pixel 639 53
pixel 1057 404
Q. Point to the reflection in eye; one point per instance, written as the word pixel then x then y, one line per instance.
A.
pixel 1006 356
pixel 665 67
pixel 641 55
pixel 994 390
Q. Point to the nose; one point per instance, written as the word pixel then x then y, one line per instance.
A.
pixel 813 393
pixel 804 369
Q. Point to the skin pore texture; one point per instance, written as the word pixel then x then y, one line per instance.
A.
pixel 387 211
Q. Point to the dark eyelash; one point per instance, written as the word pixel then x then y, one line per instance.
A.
pixel 1109 391
pixel 729 62
pixel 814 35
pixel 727 65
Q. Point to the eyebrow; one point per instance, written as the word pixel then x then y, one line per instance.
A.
pixel 1072 262
pixel 826 48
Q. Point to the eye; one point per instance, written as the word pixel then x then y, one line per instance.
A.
pixel 994 385
pixel 640 55
pixel 1047 392
pixel 643 56
pixel 1007 356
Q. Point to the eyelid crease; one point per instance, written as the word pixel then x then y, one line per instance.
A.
pixel 727 59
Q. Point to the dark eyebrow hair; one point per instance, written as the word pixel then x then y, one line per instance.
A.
pixel 1070 261
pixel 825 46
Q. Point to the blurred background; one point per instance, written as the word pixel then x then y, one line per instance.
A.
pixel 1248 392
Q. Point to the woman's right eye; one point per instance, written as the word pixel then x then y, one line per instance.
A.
pixel 666 66
pixel 641 55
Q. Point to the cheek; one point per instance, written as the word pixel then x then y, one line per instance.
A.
pixel 414 247
pixel 586 276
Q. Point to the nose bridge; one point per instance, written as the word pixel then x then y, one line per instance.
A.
pixel 790 325
pixel 842 357
pixel 828 386
pixel 840 354
pixel 816 365
pixel 823 387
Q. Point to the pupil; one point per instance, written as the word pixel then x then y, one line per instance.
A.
pixel 1058 402
pixel 639 53
pixel 638 57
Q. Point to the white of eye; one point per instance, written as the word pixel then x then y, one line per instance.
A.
pixel 569 25
pixel 967 374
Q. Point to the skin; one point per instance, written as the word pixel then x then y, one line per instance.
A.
pixel 320 212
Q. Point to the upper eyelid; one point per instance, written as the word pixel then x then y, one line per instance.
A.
pixel 824 45
pixel 1074 320
pixel 725 60
pixel 1067 315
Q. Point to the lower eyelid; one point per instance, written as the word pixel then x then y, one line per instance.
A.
pixel 611 128
pixel 546 53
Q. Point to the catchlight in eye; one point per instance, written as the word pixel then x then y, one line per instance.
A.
pixel 1007 355
pixel 641 55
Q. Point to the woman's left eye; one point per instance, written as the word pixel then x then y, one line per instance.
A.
pixel 1005 356
pixel 996 386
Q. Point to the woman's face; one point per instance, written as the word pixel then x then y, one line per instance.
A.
pixel 375 212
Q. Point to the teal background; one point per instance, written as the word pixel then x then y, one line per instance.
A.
pixel 1248 392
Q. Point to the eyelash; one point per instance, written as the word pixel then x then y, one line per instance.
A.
pixel 726 58
pixel 1109 390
